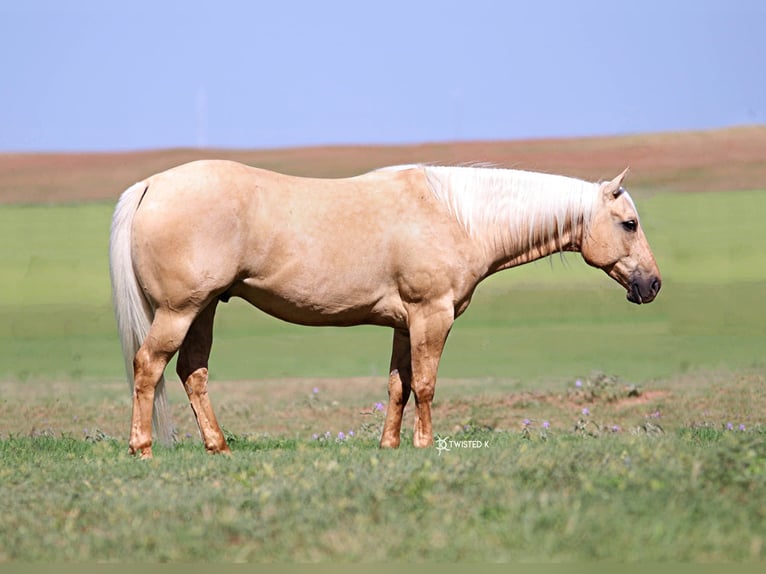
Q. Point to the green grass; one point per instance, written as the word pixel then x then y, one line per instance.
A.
pixel 667 498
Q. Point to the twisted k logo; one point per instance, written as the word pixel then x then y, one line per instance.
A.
pixel 441 444
pixel 446 444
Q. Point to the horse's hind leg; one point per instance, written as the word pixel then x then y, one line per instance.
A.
pixel 192 369
pixel 399 380
pixel 165 335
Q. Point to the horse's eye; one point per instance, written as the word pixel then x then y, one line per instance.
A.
pixel 630 225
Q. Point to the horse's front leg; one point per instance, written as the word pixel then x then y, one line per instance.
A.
pixel 429 329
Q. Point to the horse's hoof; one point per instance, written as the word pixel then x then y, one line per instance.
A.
pixel 140 452
pixel 386 442
pixel 219 449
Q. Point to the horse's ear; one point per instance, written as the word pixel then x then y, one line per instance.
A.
pixel 614 188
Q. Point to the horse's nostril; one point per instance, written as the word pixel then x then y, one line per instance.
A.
pixel 656 284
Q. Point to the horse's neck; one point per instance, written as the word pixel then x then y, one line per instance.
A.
pixel 517 217
pixel 503 253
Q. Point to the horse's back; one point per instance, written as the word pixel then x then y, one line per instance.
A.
pixel 206 183
pixel 226 196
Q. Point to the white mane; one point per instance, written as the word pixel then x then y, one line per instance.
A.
pixel 524 207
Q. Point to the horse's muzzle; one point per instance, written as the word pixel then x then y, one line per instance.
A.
pixel 644 290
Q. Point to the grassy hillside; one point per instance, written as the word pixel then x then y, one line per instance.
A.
pixel 731 159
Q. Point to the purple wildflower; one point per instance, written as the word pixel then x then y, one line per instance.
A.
pixel 379 406
pixel 315 436
pixel 546 425
pixel 341 436
pixel 742 427
pixel 315 390
pixel 729 426
pixel 615 428
pixel 350 433
pixel 578 383
pixel 585 411
pixel 526 422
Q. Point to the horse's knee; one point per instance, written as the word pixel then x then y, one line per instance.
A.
pixel 424 392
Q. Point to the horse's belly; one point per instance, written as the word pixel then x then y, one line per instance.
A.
pixel 314 303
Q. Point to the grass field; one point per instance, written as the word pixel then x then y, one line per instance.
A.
pixel 696 495
pixel 582 427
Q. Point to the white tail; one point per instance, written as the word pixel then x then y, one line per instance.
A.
pixel 132 310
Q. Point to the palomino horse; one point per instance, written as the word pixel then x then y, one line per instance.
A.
pixel 401 247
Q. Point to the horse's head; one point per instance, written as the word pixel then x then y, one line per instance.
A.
pixel 616 243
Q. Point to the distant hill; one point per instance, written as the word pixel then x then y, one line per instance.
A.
pixel 718 160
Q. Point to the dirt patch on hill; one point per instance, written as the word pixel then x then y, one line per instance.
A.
pixel 729 159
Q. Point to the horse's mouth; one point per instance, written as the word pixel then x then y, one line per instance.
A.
pixel 636 296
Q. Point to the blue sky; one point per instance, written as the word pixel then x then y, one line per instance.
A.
pixel 101 76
